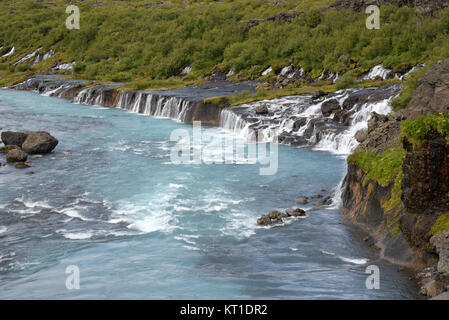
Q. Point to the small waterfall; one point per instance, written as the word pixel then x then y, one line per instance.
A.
pixel 174 108
pixel 90 96
pixel 344 142
pixel 235 123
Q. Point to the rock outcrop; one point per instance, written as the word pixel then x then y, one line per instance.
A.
pixel 401 213
pixel 432 94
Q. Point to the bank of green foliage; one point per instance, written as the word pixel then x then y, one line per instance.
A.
pixel 409 86
pixel 383 168
pixel 141 40
pixel 416 130
pixel 246 97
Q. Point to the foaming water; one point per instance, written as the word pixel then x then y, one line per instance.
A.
pixel 109 201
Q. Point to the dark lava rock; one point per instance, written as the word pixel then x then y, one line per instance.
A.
pixel 262 109
pixel 361 135
pixel 375 119
pixel 432 94
pixel 317 196
pixel 21 165
pixel 217 74
pixel 6 149
pixel 39 143
pixel 302 201
pixel 316 94
pixel 426 180
pixel 329 106
pixel 295 212
pixel 264 220
pixel 299 123
pixel 324 202
pixel 274 214
pixel 16 155
pixel 13 138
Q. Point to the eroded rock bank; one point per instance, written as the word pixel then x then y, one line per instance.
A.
pixel 397 184
pixel 184 104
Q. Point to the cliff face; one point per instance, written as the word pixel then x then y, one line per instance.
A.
pixel 398 190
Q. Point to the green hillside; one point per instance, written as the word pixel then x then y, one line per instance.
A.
pixel 148 41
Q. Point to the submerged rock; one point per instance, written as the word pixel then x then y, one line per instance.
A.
pixel 22 165
pixel 39 143
pixel 16 155
pixel 302 201
pixel 324 202
pixel 13 138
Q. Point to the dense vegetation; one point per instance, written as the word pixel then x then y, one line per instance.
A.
pixel 383 168
pixel 145 41
pixel 416 130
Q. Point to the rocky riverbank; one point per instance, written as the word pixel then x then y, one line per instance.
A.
pixel 323 121
pixel 397 184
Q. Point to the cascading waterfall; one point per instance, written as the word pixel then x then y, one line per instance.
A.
pixel 284 112
pixel 344 142
pixel 316 130
pixel 174 108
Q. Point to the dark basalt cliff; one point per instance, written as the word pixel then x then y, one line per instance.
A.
pixel 406 215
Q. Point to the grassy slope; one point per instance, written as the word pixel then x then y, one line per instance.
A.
pixel 148 42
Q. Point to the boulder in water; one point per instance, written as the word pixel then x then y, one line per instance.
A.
pixel 295 212
pixel 39 143
pixel 262 109
pixel 271 218
pixel 8 148
pixel 316 94
pixel 13 138
pixel 16 155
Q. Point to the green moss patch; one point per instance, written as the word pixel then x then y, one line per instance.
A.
pixel 381 168
pixel 416 130
pixel 441 225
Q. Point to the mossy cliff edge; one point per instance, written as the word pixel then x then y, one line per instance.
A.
pixel 397 184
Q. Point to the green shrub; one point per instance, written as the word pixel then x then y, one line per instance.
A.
pixel 409 87
pixel 416 130
pixel 382 168
pixel 441 225
pixel 346 81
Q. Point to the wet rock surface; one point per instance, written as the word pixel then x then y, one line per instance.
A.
pixel 13 138
pixel 276 217
pixel 16 155
pixel 426 176
pixel 301 120
pixel 39 143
